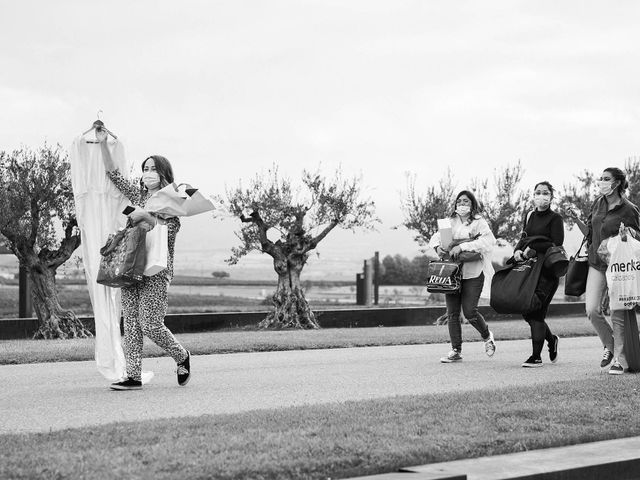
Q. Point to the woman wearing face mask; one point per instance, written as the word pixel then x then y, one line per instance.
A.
pixel 468 225
pixel 144 305
pixel 542 221
pixel 608 212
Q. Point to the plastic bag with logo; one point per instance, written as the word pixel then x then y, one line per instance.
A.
pixel 623 273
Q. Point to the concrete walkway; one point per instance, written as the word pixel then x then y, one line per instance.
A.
pixel 52 396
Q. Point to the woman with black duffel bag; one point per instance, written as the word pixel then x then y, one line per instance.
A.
pixel 543 230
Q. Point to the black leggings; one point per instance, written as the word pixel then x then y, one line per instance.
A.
pixel 546 289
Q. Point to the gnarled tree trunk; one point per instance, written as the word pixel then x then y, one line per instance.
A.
pixel 291 308
pixel 54 321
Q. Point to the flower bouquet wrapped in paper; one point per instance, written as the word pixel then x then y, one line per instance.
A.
pixel 178 201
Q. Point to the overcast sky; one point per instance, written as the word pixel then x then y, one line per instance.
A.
pixel 226 88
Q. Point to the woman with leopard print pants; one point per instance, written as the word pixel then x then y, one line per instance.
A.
pixel 144 305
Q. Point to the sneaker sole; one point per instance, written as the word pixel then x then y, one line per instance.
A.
pixel 532 365
pixel 449 361
pixel 125 388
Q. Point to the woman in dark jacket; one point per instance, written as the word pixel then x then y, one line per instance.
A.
pixel 541 221
pixel 608 212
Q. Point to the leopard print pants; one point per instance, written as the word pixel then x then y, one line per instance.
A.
pixel 144 306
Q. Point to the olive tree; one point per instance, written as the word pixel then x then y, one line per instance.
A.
pixel 288 222
pixel 503 205
pixel 36 203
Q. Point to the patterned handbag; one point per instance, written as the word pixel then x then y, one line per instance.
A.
pixel 444 276
pixel 123 257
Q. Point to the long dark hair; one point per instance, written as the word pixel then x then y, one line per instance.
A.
pixel 546 184
pixel 619 176
pixel 475 206
pixel 163 167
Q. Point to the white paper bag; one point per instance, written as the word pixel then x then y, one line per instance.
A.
pixel 623 273
pixel 446 236
pixel 157 249
pixel 178 201
pixel 197 203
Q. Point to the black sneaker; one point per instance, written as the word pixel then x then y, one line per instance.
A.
pixel 126 384
pixel 184 371
pixel 553 349
pixel 532 362
pixel 607 356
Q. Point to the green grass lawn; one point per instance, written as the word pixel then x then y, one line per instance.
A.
pixel 231 341
pixel 334 441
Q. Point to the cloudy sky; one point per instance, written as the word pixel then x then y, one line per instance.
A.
pixel 225 89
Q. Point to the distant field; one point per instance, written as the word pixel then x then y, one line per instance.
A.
pixel 198 294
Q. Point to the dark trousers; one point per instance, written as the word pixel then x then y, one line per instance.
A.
pixel 546 289
pixel 467 301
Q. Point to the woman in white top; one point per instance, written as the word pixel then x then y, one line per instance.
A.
pixel 471 233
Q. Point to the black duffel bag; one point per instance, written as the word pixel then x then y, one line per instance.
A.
pixel 513 289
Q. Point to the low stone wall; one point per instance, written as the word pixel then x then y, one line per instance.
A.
pixel 341 318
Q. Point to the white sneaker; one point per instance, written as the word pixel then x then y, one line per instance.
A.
pixel 453 356
pixel 490 345
pixel 616 368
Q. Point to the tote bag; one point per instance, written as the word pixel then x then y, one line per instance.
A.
pixel 623 274
pixel 444 276
pixel 513 288
pixel 575 281
pixel 123 257
pixel 157 250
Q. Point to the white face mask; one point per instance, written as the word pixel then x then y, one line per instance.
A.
pixel 151 180
pixel 541 200
pixel 463 210
pixel 605 187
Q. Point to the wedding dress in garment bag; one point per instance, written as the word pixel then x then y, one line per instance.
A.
pixel 99 206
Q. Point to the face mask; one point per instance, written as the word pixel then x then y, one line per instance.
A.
pixel 151 180
pixel 605 187
pixel 463 210
pixel 541 200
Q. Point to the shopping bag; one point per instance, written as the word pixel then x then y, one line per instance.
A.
pixel 196 203
pixel 513 289
pixel 157 250
pixel 123 257
pixel 167 202
pixel 623 273
pixel 575 281
pixel 444 276
pixel 178 201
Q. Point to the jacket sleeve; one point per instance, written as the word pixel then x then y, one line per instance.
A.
pixel 484 243
pixel 435 240
pixel 128 189
pixel 589 222
pixel 633 218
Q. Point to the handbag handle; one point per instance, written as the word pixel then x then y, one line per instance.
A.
pixel 115 240
pixel 577 255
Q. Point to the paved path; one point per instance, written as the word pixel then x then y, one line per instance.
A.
pixel 52 396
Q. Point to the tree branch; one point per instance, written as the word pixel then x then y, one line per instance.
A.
pixel 267 245
pixel 318 238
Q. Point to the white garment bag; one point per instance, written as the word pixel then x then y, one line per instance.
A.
pixel 99 206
